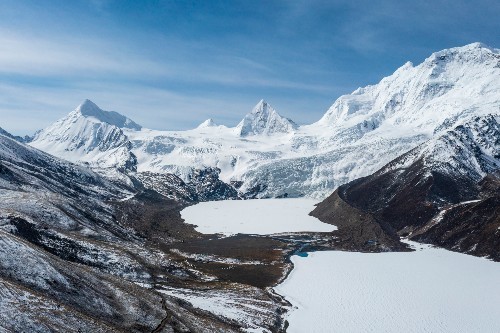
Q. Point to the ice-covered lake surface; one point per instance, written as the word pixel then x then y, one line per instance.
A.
pixel 431 290
pixel 262 217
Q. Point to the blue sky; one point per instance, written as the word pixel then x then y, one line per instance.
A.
pixel 172 64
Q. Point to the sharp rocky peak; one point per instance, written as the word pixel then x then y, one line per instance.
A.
pixel 262 107
pixel 90 109
pixel 264 119
pixel 90 135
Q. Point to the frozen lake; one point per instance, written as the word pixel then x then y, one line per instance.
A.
pixel 431 290
pixel 428 291
pixel 261 217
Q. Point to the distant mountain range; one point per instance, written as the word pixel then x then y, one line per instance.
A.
pixel 268 155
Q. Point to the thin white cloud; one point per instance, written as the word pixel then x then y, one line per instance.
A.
pixel 67 58
pixel 36 56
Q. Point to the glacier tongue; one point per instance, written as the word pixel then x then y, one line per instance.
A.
pixel 268 155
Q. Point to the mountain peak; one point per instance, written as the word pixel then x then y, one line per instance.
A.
pixel 262 103
pixel 411 94
pixel 262 106
pixel 207 123
pixel 89 109
pixel 263 119
pixel 470 53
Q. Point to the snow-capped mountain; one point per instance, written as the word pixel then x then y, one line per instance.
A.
pixel 471 150
pixel 264 120
pixel 90 135
pixel 114 254
pixel 268 155
pixel 207 123
pixel 443 88
pixel 443 192
pixel 373 125
pixel 88 109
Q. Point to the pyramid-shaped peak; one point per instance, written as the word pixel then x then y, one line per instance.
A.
pixel 89 109
pixel 262 106
pixel 263 119
pixel 261 103
pixel 207 123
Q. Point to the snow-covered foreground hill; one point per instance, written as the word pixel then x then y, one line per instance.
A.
pixel 267 155
pixel 430 290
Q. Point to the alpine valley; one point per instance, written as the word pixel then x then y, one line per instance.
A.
pixel 92 237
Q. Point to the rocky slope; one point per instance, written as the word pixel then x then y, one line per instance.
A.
pixel 83 252
pixel 443 192
pixel 202 185
pixel 58 252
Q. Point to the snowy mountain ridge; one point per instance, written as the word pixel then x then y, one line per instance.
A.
pixel 459 74
pixel 268 155
pixel 445 192
pixel 471 149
